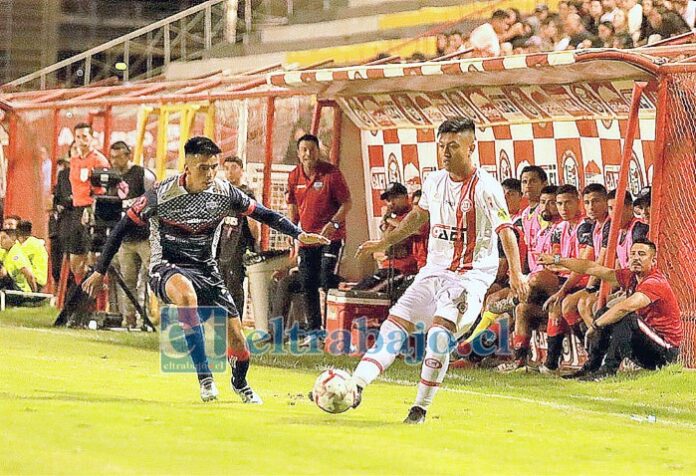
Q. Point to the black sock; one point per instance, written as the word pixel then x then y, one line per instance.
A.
pixel 555 349
pixel 239 373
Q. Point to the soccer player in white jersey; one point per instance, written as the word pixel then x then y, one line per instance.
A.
pixel 467 212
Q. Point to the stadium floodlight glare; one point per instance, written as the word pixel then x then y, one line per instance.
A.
pixel 121 66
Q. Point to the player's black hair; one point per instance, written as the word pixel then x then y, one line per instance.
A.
pixel 567 188
pixel 24 228
pixel 648 243
pixel 233 159
pixel 628 199
pixel 500 15
pixel 201 146
pixel 308 138
pixel 550 189
pixel 456 125
pixel 82 125
pixel 541 173
pixel 120 145
pixel 12 233
pixel 595 188
pixel 512 184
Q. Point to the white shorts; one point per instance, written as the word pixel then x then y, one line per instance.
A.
pixel 443 293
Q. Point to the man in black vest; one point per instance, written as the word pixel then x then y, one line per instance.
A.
pixel 134 254
pixel 236 237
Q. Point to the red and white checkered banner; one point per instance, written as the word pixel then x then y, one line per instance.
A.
pixel 577 152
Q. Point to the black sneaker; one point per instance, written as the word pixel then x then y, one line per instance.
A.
pixel 578 373
pixel 416 416
pixel 602 374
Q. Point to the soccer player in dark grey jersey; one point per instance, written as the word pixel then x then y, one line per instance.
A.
pixel 184 213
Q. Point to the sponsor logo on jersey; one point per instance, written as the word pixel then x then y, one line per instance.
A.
pixel 433 363
pixel 447 233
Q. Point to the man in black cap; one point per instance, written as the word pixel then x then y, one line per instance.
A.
pixel 399 260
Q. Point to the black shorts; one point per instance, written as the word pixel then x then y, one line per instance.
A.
pixel 78 240
pixel 207 282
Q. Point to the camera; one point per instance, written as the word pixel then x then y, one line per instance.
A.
pixel 108 208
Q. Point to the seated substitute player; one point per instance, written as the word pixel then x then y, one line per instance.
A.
pixel 15 267
pixel 632 229
pixel 592 238
pixel 644 327
pixel 467 213
pixel 533 180
pixel 34 249
pixel 184 212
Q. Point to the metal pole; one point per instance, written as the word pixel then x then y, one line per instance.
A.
pixel 126 60
pixel 107 131
pixel 54 144
pixel 316 118
pixel 267 167
pixel 167 45
pixel 621 186
pixel 336 137
pixel 208 27
pixel 87 75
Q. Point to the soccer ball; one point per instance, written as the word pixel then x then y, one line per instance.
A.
pixel 334 391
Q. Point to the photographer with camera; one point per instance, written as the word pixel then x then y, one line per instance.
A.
pixel 81 168
pixel 134 254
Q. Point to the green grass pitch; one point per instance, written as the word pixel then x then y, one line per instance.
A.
pixel 93 402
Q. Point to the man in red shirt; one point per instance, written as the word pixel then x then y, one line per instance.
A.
pixel 81 168
pixel 318 198
pixel 645 327
pixel 400 260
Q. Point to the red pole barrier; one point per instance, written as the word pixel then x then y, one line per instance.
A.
pixel 336 141
pixel 107 131
pixel 316 117
pixel 54 145
pixel 268 164
pixel 621 187
pixel 659 162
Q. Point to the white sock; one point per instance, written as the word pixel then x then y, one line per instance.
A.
pixel 391 339
pixel 435 363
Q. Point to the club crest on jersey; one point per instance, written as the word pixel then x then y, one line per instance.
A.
pixel 212 206
pixel 465 206
pixel 318 185
pixel 461 303
pixel 447 233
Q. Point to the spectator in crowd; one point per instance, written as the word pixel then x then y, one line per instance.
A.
pixel 596 13
pixel 10 222
pixel 610 9
pixel 645 327
pixel 61 214
pixel 134 255
pixel 15 270
pixel 455 42
pixel 237 236
pixel 563 10
pixel 550 34
pixel 664 24
pixel 687 10
pixel 441 44
pixel 399 260
pixel 318 198
pixel 485 39
pixel 620 23
pixel 81 167
pixel 605 32
pixel 541 13
pixel 35 250
pixel 623 41
pixel 634 17
pixel 579 37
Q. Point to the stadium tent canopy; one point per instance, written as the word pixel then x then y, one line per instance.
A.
pixel 535 69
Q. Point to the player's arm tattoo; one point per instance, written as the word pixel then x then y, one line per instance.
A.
pixel 412 223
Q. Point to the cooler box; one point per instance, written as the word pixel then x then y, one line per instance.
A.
pixel 343 307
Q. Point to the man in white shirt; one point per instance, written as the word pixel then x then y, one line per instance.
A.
pixel 467 212
pixel 484 39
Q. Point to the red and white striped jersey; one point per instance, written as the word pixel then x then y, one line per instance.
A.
pixel 465 218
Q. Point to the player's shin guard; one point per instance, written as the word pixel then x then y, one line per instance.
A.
pixel 435 363
pixel 391 339
pixel 239 361
pixel 196 346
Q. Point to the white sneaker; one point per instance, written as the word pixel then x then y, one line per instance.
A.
pixel 209 391
pixel 544 370
pixel 248 395
pixel 313 340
